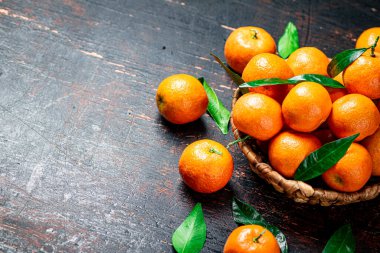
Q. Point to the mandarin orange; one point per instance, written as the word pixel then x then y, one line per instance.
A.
pixel 258 116
pixel 354 113
pixel 306 106
pixel 264 66
pixel 181 99
pixel 308 60
pixel 363 76
pixel 251 239
pixel 351 172
pixel 288 149
pixel 368 37
pixel 206 166
pixel 244 43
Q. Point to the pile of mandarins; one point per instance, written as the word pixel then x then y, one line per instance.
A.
pixel 288 121
pixel 291 121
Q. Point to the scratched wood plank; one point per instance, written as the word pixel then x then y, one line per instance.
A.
pixel 88 165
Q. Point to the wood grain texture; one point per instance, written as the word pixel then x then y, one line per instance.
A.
pixel 88 165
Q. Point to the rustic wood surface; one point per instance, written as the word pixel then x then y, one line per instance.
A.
pixel 88 165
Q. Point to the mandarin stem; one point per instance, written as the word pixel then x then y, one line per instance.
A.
pixel 254 36
pixel 256 239
pixel 373 46
pixel 238 140
pixel 213 150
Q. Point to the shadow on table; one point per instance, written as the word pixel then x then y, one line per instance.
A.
pixel 196 128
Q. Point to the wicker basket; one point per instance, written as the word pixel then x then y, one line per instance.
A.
pixel 298 191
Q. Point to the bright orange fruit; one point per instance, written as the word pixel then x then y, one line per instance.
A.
pixel 251 239
pixel 181 99
pixel 368 37
pixel 308 60
pixel 258 116
pixel 246 42
pixel 354 113
pixel 363 76
pixel 206 166
pixel 351 172
pixel 306 106
pixel 288 149
pixel 264 66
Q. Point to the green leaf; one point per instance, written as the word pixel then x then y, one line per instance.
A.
pixel 190 236
pixel 232 74
pixel 343 59
pixel 323 80
pixel 245 214
pixel 342 241
pixel 319 161
pixel 266 82
pixel 216 108
pixel 289 41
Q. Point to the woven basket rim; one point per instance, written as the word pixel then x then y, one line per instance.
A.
pixel 297 190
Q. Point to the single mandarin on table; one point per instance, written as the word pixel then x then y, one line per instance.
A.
pixel 181 99
pixel 363 76
pixel 368 37
pixel 206 166
pixel 352 114
pixel 258 116
pixel 288 149
pixel 306 106
pixel 372 144
pixel 308 60
pixel 251 239
pixel 264 66
pixel 351 172
pixel 244 43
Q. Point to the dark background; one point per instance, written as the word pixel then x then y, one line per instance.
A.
pixel 86 162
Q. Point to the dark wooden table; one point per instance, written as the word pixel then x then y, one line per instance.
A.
pixel 88 165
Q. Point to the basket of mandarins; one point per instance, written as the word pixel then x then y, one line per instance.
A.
pixel 308 125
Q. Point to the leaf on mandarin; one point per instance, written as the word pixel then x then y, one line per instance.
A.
pixel 245 214
pixel 266 82
pixel 319 161
pixel 216 108
pixel 190 236
pixel 322 80
pixel 342 241
pixel 343 59
pixel 289 41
